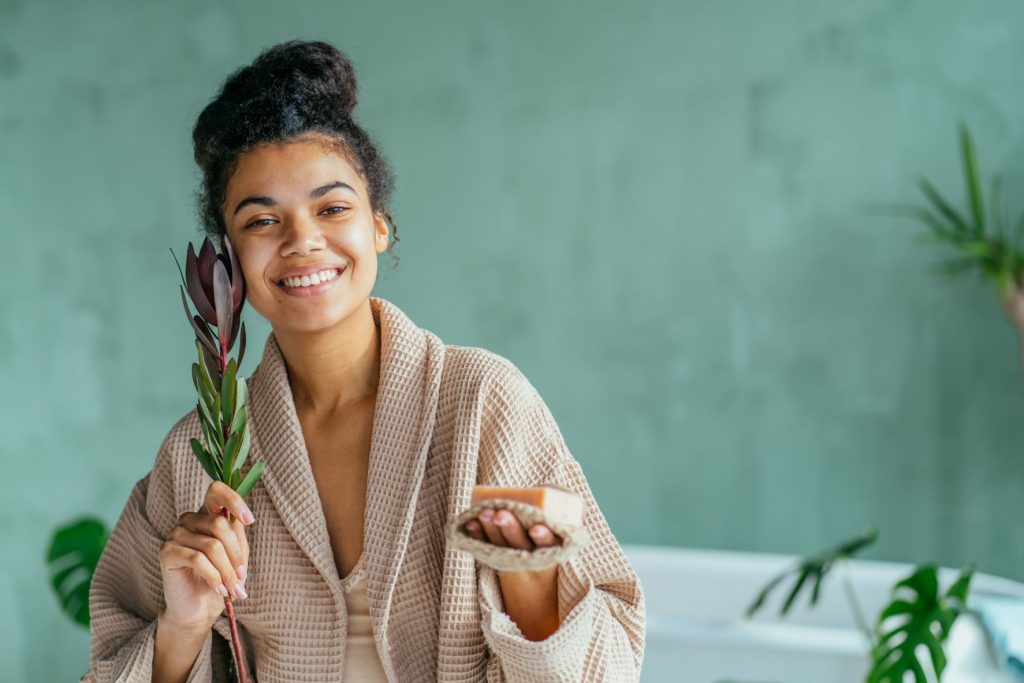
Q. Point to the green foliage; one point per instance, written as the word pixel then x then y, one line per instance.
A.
pixel 223 409
pixel 814 568
pixel 72 556
pixel 980 237
pixel 904 625
pixel 925 619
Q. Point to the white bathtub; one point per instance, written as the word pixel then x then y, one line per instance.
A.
pixel 696 632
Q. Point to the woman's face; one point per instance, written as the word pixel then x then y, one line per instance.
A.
pixel 301 206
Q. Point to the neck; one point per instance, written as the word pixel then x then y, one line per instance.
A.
pixel 333 369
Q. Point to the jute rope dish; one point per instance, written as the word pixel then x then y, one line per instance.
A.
pixel 510 559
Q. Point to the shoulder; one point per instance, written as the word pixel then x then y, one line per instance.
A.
pixel 519 440
pixel 487 374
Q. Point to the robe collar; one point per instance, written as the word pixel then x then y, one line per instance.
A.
pixel 411 360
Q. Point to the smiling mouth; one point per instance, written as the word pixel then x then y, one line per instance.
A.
pixel 312 280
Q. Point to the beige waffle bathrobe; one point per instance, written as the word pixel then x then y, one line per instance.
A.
pixel 447 417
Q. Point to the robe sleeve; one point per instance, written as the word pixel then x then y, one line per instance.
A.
pixel 600 600
pixel 126 592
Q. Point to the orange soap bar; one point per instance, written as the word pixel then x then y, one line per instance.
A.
pixel 559 505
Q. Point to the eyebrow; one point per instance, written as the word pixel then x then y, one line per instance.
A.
pixel 269 201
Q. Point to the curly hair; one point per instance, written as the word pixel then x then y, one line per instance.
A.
pixel 291 90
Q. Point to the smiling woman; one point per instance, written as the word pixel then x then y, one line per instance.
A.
pixel 374 432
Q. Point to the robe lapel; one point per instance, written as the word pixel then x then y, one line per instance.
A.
pixel 403 423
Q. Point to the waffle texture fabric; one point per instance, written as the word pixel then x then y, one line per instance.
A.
pixel 362 663
pixel 446 418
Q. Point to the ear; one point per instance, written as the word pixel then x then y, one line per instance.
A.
pixel 381 233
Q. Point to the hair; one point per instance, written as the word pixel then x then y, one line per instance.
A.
pixel 292 90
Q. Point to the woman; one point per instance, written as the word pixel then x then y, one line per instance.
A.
pixel 374 432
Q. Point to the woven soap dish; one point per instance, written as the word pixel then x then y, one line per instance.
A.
pixel 503 558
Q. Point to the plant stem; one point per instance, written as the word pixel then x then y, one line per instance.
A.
pixel 236 641
pixel 851 596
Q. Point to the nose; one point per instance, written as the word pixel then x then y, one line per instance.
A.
pixel 302 235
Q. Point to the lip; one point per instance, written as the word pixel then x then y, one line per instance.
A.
pixel 313 290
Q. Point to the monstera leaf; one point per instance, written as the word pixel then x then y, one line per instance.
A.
pixel 74 551
pixel 814 568
pixel 929 617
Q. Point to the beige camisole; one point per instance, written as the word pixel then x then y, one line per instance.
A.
pixel 362 663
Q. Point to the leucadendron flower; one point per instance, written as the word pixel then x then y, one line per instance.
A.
pixel 216 287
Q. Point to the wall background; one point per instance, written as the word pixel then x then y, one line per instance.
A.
pixel 657 210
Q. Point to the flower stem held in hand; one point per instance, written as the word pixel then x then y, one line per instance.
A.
pixel 216 285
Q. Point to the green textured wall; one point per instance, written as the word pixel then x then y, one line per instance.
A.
pixel 656 210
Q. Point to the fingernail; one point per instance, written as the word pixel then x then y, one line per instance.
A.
pixel 222 590
pixel 501 521
pixel 486 514
pixel 240 592
pixel 242 572
pixel 247 516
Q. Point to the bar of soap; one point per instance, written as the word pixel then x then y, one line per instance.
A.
pixel 559 505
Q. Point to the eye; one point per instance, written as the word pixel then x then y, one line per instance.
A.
pixel 339 209
pixel 258 223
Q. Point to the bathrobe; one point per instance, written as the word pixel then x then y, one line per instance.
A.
pixel 446 418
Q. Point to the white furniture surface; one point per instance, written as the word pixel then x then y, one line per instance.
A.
pixel 696 632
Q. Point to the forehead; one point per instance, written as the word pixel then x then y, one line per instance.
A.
pixel 282 170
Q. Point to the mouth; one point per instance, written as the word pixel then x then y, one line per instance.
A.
pixel 311 285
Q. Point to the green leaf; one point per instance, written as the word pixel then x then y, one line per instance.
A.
pixel 944 208
pixel 71 559
pixel 236 451
pixel 240 418
pixel 241 346
pixel 816 567
pixel 205 371
pixel 227 391
pixel 955 266
pixel 216 413
pixel 926 620
pixel 970 162
pixel 979 249
pixel 213 442
pixel 250 480
pixel 205 459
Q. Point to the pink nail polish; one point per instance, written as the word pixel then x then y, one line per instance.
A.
pixel 240 592
pixel 242 572
pixel 222 590
pixel 247 516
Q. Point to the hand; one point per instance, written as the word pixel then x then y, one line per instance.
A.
pixel 501 527
pixel 203 558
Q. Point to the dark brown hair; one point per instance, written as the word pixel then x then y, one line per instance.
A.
pixel 291 90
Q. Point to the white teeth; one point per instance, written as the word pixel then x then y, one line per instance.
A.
pixel 311 280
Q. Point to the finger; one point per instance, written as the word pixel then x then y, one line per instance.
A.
pixel 215 552
pixel 493 533
pixel 512 528
pixel 475 529
pixel 243 545
pixel 543 536
pixel 220 497
pixel 175 557
pixel 218 526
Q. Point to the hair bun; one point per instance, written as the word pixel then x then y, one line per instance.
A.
pixel 305 70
